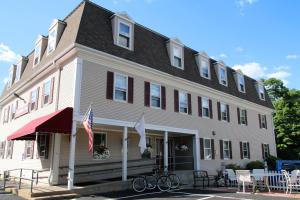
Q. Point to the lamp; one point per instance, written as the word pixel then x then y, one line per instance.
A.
pixel 18 96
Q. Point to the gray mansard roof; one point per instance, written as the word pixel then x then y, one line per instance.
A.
pixel 95 31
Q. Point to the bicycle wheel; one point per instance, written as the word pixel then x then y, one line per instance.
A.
pixel 139 184
pixel 151 182
pixel 163 183
pixel 175 182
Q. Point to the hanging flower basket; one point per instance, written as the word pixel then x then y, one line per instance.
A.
pixel 101 153
pixel 182 147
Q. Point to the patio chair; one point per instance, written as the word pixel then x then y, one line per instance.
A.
pixel 257 174
pixel 202 176
pixel 292 181
pixel 231 177
pixel 244 177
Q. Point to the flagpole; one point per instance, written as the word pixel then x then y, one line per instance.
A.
pixel 139 118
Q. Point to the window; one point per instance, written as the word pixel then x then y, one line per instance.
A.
pixel 265 150
pixel 261 91
pixel 241 82
pixel 100 150
pixel 29 146
pixel 148 151
pixel 224 112
pixel 37 54
pixel 18 72
pixel 226 149
pixel 13 109
pixel 10 76
pixel 2 149
pixel 34 99
pixel 205 107
pixel 204 67
pixel 183 102
pixel 263 121
pixel 207 149
pixel 9 149
pixel 124 35
pixel 155 95
pixel 52 40
pixel 43 146
pixel 47 91
pixel 243 116
pixel 177 57
pixel 120 87
pixel 223 76
pixel 6 114
pixel 245 150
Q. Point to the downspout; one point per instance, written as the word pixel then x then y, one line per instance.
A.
pixel 56 108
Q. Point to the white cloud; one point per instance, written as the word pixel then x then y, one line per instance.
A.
pixel 6 54
pixel 243 3
pixel 282 67
pixel 223 55
pixel 292 56
pixel 239 49
pixel 5 80
pixel 253 69
pixel 281 74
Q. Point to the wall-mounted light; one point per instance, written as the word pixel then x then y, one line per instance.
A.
pixel 213 133
pixel 18 96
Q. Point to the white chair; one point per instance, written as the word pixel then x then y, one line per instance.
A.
pixel 244 177
pixel 258 174
pixel 292 181
pixel 231 176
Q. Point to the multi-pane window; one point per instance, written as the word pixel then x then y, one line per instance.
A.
pixel 263 121
pixel 205 107
pixel 6 114
pixel 204 66
pixel 52 40
pixel 223 76
pixel 29 147
pixel 47 91
pixel 241 82
pixel 100 150
pixel 120 87
pixel 177 56
pixel 243 116
pixel 124 35
pixel 224 112
pixel 183 102
pixel 155 98
pixel 226 149
pixel 9 149
pixel 13 109
pixel 33 99
pixel 261 91
pixel 266 150
pixel 207 149
pixel 10 77
pixel 18 72
pixel 43 146
pixel 245 149
pixel 37 54
pixel 2 149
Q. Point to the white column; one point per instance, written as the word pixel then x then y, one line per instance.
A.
pixel 56 157
pixel 124 155
pixel 166 151
pixel 196 151
pixel 72 156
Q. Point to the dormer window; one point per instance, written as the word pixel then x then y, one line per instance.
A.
pixel 123 30
pixel 177 56
pixel 241 82
pixel 11 76
pixel 222 75
pixel 55 32
pixel 52 40
pixel 202 61
pixel 18 72
pixel 37 54
pixel 261 91
pixel 176 49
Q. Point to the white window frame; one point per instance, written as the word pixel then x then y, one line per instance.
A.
pixel 13 109
pixel 180 48
pixel 261 91
pixel 2 149
pixel 18 71
pixel 10 77
pixel 36 98
pixel 29 144
pixel 226 77
pixel 152 85
pixel 266 150
pixel 102 133
pixel 9 149
pixel 225 105
pixel 129 35
pixel 243 122
pixel 37 55
pixel 204 59
pixel 187 103
pixel 126 89
pixel 207 148
pixel 202 107
pixel 226 149
pixel 241 76
pixel 44 144
pixel 245 149
pixel 263 121
pixel 52 40
pixel 44 91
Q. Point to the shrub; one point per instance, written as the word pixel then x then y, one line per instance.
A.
pixel 255 165
pixel 271 160
pixel 233 166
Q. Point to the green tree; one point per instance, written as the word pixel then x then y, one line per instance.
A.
pixel 275 88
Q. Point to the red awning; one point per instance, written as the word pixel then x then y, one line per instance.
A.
pixel 57 122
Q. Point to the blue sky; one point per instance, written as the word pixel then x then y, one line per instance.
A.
pixel 261 37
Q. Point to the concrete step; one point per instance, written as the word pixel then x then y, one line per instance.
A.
pixel 56 197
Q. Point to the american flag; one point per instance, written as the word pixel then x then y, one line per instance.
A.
pixel 88 126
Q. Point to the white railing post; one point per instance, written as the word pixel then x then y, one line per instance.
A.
pixel 124 154
pixel 166 153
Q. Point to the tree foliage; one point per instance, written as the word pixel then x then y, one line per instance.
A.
pixel 286 118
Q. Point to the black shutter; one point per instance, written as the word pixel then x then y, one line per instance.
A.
pixel 230 149
pixel 176 103
pixel 241 150
pixel 221 150
pixel 47 146
pixel 210 109
pixel 248 145
pixel 219 111
pixel 109 85
pixel 200 106
pixel 212 149
pixel 189 104
pixel 263 151
pixel 228 113
pixel 238 116
pixel 268 149
pixel 202 149
pixel 259 120
pixel 246 117
pixel 265 116
pixel 163 97
pixel 130 90
pixel 147 94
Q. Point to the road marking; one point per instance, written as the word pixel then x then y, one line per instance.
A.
pixel 138 195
